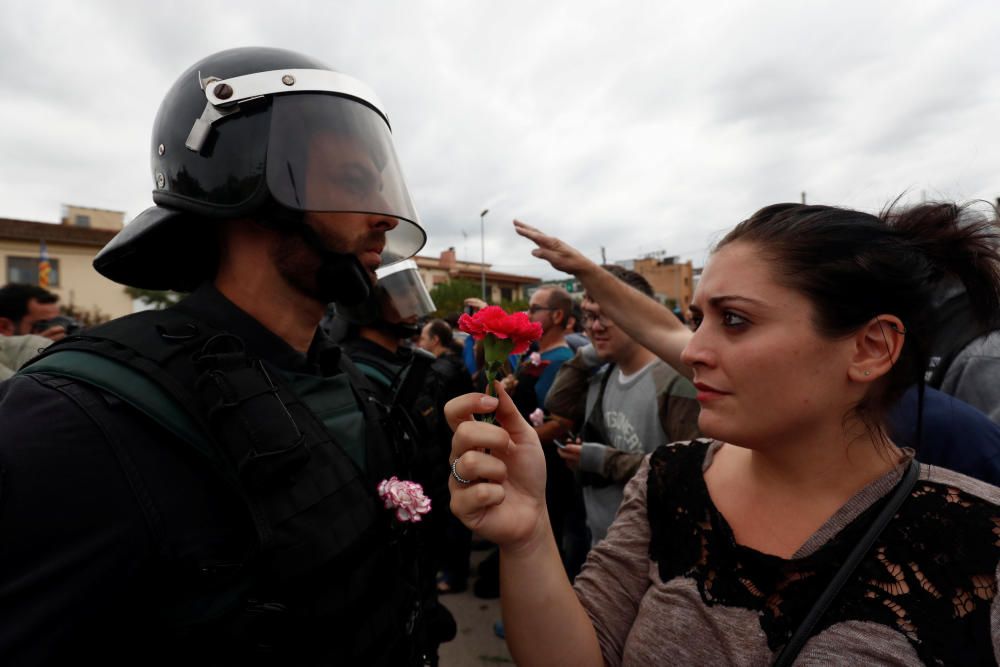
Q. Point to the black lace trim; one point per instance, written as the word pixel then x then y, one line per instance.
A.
pixel 930 575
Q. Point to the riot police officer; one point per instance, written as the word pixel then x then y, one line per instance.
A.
pixel 200 485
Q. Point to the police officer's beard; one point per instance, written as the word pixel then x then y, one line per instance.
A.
pixel 297 265
pixel 301 266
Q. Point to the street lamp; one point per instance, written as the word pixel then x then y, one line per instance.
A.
pixel 482 242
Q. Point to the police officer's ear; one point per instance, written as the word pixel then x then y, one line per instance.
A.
pixel 7 327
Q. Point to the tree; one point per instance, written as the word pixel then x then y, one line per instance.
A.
pixel 449 297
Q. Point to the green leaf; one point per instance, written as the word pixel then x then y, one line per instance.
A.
pixel 497 349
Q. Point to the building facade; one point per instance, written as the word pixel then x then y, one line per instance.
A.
pixel 71 248
pixel 672 280
pixel 499 286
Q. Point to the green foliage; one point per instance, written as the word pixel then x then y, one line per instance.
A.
pixel 156 298
pixel 450 297
pixel 514 306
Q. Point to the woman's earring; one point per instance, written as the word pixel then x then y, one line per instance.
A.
pixel 867 373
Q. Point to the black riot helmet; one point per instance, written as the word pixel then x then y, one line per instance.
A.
pixel 266 134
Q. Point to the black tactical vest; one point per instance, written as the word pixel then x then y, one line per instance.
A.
pixel 332 578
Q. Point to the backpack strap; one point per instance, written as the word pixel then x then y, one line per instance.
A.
pixel 594 427
pixel 129 386
pixel 595 430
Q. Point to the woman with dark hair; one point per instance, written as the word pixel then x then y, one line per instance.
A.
pixel 798 528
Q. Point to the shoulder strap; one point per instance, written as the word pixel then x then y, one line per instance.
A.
pixel 127 385
pixel 805 629
pixel 371 366
pixel 595 423
pixel 129 358
pixel 374 373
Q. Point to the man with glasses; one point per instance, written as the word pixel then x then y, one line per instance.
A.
pixel 634 404
pixel 551 307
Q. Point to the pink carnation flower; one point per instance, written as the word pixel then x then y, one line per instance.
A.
pixel 537 418
pixel 535 359
pixel 407 497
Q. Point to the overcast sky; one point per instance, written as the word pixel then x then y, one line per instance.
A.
pixel 637 126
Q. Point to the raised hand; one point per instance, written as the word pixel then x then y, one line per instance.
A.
pixel 558 253
pixel 504 500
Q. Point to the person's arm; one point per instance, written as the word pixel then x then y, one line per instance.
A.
pixel 621 466
pixel 545 623
pixel 649 323
pixel 567 396
pixel 603 460
pixel 616 577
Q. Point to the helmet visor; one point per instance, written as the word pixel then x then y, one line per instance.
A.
pixel 404 293
pixel 328 153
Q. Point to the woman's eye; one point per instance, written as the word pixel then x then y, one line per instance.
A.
pixel 733 320
pixel 694 322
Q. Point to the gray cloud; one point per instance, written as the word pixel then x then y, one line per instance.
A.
pixel 633 126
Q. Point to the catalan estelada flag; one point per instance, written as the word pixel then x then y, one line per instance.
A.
pixel 44 267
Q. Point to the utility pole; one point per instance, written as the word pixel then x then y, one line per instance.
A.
pixel 803 196
pixel 482 241
pixel 604 259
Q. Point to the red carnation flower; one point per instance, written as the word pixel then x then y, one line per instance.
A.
pixel 516 328
pixel 502 335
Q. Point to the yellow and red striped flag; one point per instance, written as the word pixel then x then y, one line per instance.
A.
pixel 44 267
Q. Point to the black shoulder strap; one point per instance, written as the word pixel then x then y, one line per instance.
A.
pixel 127 385
pixel 257 430
pixel 128 358
pixel 805 629
pixel 197 380
pixel 595 428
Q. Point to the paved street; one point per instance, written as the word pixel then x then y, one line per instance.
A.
pixel 475 645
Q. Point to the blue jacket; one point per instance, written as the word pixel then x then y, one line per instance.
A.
pixel 956 435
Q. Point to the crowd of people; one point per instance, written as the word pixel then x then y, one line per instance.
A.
pixel 290 465
pixel 807 523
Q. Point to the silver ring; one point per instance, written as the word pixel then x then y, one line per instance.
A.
pixel 454 473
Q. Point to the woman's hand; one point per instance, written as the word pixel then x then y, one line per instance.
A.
pixel 505 499
pixel 558 253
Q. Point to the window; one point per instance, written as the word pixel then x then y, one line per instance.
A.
pixel 506 294
pixel 25 270
pixel 82 221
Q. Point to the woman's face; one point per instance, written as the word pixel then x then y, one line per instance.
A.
pixel 763 373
